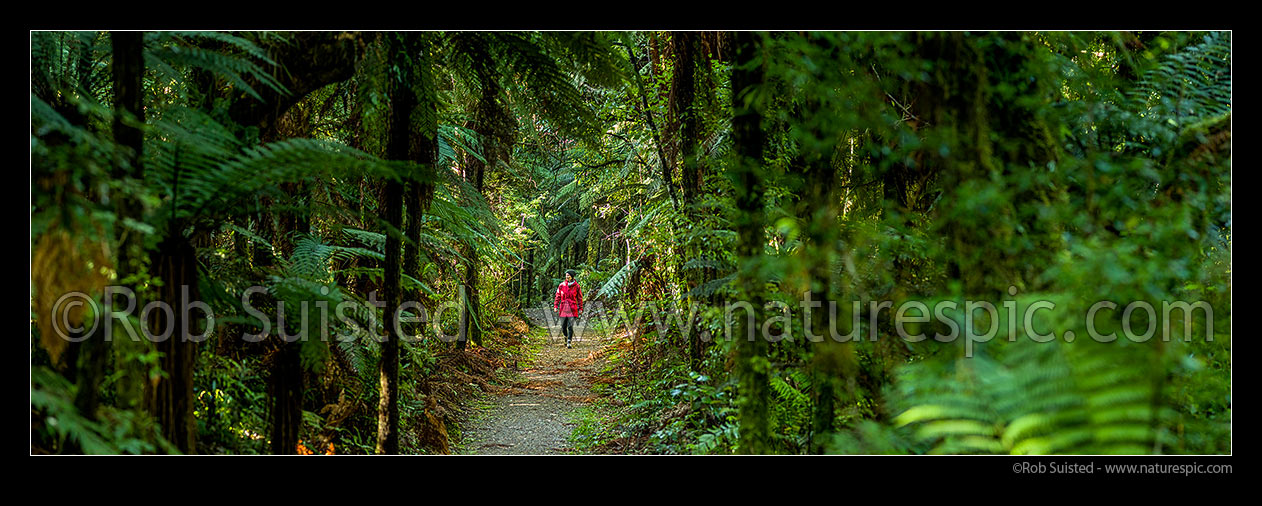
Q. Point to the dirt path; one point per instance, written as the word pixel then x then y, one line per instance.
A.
pixel 531 417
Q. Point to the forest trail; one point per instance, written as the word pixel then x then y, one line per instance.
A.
pixel 531 416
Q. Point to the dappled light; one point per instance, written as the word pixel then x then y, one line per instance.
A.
pixel 575 242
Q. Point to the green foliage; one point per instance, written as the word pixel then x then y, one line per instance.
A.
pixel 1142 237
pixel 1070 166
pixel 231 405
pixel 1035 398
pixel 169 50
pixel 615 282
pixel 1189 84
pixel 115 432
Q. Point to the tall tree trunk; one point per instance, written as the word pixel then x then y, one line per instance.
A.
pixel 403 102
pixel 528 292
pixel 751 349
pixel 648 118
pixel 388 403
pixel 683 98
pixel 818 210
pixel 285 389
pixel 91 354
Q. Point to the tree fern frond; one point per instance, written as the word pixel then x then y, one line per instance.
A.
pixel 546 84
pixel 705 263
pixel 374 240
pixel 570 234
pixel 535 222
pixel 46 120
pixel 1035 398
pixel 244 45
pixel 205 191
pixel 1192 83
pixel 564 194
pixel 455 136
pixel 616 281
pixel 710 287
pixel 644 219
pixel 248 235
pixel 789 393
pixel 592 54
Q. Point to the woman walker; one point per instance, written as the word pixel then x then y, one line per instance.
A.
pixel 569 303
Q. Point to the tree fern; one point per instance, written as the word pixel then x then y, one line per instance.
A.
pixel 590 53
pixel 644 219
pixel 456 136
pixel 127 432
pixel 535 222
pixel 706 263
pixel 795 396
pixel 617 281
pixel 565 194
pixel 46 120
pixel 374 240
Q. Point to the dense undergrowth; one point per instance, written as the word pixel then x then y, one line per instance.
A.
pixel 668 169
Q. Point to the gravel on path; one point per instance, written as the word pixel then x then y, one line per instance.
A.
pixel 531 417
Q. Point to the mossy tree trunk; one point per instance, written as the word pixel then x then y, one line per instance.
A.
pixel 751 349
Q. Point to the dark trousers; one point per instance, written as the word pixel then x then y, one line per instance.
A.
pixel 567 327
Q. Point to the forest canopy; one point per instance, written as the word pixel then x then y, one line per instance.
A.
pixel 790 242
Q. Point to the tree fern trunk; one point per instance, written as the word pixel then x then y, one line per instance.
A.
pixel 487 124
pixel 388 402
pixel 285 388
pixel 170 397
pixel 128 68
pixel 423 149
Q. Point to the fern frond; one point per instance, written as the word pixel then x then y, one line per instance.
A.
pixel 789 393
pixel 616 281
pixel 1190 84
pixel 1034 398
pixel 710 287
pixel 705 263
pixel 546 84
pixel 570 234
pixel 645 219
pixel 166 50
pixel 455 136
pixel 591 53
pixel 246 46
pixel 541 230
pixel 202 191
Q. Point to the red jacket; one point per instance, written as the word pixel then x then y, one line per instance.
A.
pixel 569 299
